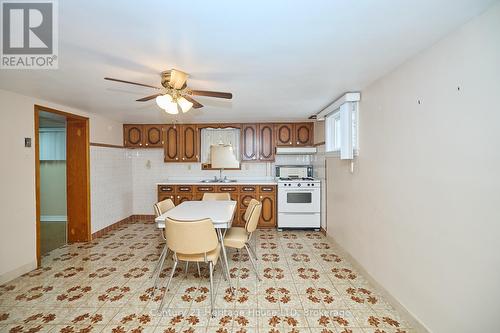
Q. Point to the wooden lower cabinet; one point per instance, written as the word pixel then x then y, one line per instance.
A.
pixel 240 193
pixel 268 214
pixel 181 197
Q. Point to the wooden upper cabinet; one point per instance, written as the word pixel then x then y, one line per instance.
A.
pixel 294 134
pixel 249 142
pixel 284 134
pixel 153 136
pixel 303 134
pixel 133 136
pixel 189 148
pixel 172 146
pixel 266 142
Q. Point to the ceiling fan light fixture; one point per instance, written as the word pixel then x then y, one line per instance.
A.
pixel 184 104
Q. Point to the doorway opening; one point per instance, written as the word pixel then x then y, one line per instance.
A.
pixel 62 179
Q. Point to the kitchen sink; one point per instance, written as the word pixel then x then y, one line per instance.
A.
pixel 218 181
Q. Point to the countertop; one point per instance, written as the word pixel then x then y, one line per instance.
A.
pixel 238 182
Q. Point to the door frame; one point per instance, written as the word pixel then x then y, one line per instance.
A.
pixel 86 162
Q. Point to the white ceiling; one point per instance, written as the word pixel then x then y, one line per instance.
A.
pixel 281 59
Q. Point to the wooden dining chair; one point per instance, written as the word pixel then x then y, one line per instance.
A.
pixel 216 196
pixel 238 237
pixel 161 208
pixel 193 241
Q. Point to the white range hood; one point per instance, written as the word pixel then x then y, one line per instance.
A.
pixel 296 150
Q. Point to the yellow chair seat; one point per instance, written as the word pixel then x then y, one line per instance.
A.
pixel 212 256
pixel 236 237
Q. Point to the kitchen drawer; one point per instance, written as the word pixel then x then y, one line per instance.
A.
pixel 205 188
pixel 165 189
pixel 248 189
pixel 184 189
pixel 267 189
pixel 227 188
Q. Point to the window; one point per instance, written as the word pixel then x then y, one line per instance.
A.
pixel 332 132
pixel 341 131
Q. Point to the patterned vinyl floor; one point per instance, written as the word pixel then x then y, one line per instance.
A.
pixel 103 286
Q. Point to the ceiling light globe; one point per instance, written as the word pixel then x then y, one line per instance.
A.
pixel 184 104
pixel 171 108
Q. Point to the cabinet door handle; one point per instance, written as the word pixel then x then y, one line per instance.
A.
pixel 298 142
pixel 140 144
pixel 178 197
pixel 176 158
pixel 290 143
pixel 162 142
pixel 261 196
pixel 183 158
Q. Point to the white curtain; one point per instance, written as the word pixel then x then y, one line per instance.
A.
pixel 52 144
pixel 215 136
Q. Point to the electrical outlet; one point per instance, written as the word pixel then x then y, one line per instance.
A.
pixel 189 166
pixel 27 142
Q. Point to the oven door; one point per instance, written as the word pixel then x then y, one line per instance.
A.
pixel 298 200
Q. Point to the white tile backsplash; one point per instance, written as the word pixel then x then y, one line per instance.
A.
pixel 110 185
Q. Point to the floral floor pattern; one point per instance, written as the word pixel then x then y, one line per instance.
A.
pixel 104 286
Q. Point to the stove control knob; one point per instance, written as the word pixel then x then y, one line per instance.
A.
pixel 312 184
pixel 299 184
pixel 308 184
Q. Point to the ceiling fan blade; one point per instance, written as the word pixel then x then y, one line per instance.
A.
pixel 130 82
pixel 196 104
pixel 217 94
pixel 147 98
pixel 177 79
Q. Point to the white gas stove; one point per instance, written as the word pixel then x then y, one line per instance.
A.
pixel 299 198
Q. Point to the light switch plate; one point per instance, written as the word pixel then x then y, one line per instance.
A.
pixel 27 142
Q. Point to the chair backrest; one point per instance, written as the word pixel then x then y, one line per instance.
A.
pixel 216 196
pixel 163 206
pixel 191 237
pixel 249 209
pixel 253 219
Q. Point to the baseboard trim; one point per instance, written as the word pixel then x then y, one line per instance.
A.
pixel 6 277
pixel 53 218
pixel 127 220
pixel 416 324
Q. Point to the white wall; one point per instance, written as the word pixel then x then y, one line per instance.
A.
pixel 421 212
pixel 111 186
pixel 17 177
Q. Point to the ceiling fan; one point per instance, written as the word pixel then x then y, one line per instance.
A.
pixel 174 95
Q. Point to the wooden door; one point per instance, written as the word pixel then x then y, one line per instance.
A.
pixel 266 142
pixel 172 146
pixel 303 134
pixel 133 136
pixel 268 213
pixel 153 136
pixel 284 134
pixel 189 143
pixel 249 142
pixel 77 179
